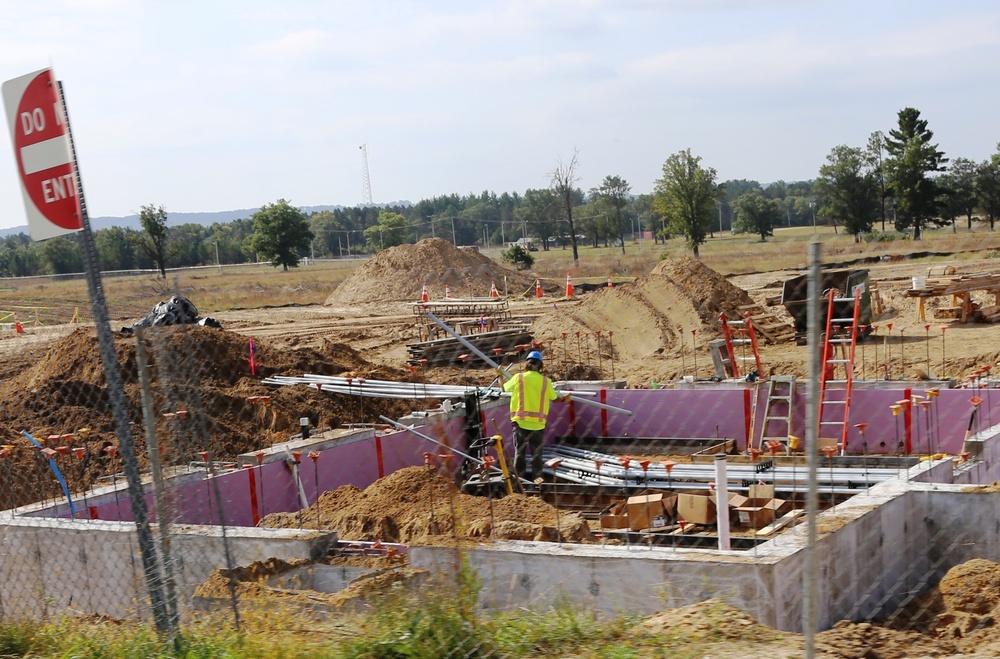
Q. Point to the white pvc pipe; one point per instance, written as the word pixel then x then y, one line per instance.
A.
pixel 722 501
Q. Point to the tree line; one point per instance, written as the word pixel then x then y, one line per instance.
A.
pixel 899 177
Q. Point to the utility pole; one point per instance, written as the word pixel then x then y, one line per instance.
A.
pixel 454 241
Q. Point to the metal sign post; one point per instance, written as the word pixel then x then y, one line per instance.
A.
pixel 55 205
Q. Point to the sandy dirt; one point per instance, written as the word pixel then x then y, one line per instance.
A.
pixel 419 505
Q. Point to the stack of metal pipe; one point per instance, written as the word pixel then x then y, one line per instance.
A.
pixel 601 469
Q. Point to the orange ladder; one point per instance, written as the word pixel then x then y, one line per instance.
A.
pixel 841 335
pixel 743 328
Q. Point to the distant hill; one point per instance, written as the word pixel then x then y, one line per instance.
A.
pixel 176 219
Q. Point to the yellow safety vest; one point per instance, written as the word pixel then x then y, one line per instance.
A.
pixel 531 392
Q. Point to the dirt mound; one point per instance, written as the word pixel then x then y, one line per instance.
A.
pixel 957 616
pixel 204 371
pixel 712 619
pixel 398 273
pixel 632 323
pixel 417 504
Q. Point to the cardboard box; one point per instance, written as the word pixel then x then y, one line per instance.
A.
pixel 758 509
pixel 614 522
pixel 696 508
pixel 650 510
pixel 613 517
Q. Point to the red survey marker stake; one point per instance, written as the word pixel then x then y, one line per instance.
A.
pixel 43 153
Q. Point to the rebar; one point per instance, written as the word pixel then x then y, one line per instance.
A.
pixel 927 344
pixel 943 329
pixel 902 358
pixel 680 332
pixel 600 364
pixel 611 353
pixel 887 352
pixel 694 351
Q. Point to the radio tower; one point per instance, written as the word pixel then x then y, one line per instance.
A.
pixel 366 181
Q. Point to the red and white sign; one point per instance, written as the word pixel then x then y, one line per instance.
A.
pixel 43 153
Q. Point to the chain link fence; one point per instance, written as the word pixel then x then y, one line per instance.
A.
pixel 315 480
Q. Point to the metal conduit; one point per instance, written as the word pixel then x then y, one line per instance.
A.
pixel 390 389
pixel 612 473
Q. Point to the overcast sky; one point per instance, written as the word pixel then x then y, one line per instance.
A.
pixel 219 105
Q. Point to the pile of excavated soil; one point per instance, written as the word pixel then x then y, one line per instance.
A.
pixel 419 505
pixel 399 273
pixel 663 314
pixel 958 617
pixel 203 371
pixel 961 611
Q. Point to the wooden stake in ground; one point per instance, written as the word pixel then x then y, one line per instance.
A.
pixel 887 352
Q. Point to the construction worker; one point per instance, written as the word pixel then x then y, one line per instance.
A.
pixel 531 393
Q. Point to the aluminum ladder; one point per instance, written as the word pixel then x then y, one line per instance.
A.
pixel 778 411
pixel 740 333
pixel 841 337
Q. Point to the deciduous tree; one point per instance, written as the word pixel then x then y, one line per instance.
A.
pixel 756 214
pixel 850 188
pixel 391 230
pixel 564 178
pixel 613 192
pixel 959 186
pixel 537 217
pixel 279 232
pixel 154 240
pixel 686 196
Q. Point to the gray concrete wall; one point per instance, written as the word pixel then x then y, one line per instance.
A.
pixel 61 566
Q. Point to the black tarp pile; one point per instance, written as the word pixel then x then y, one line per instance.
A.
pixel 178 310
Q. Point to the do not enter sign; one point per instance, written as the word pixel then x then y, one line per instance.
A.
pixel 43 153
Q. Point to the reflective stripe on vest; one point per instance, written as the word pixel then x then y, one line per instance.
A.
pixel 523 413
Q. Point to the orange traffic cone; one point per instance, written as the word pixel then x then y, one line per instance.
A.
pixel 424 297
pixel 610 285
pixel 538 288
pixel 447 292
pixel 17 325
pixel 493 289
pixel 569 285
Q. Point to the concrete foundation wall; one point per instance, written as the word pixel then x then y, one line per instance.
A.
pixel 874 552
pixel 876 559
pixel 57 566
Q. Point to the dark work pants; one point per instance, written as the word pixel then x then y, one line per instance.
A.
pixel 524 440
